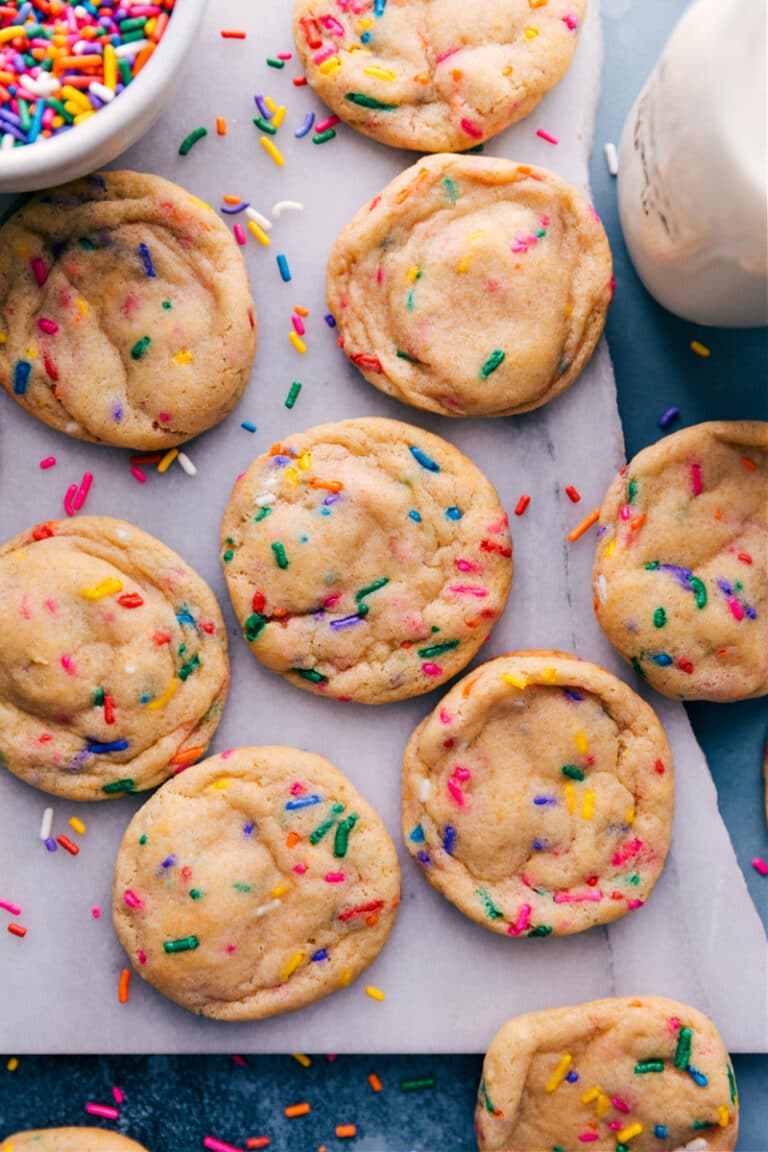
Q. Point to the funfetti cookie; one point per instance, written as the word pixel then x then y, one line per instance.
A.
pixel 538 796
pixel 70 1140
pixel 125 312
pixel 366 560
pixel 472 286
pixel 623 1075
pixel 435 75
pixel 680 580
pixel 113 665
pixel 256 882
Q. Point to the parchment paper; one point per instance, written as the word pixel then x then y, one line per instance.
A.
pixel 449 984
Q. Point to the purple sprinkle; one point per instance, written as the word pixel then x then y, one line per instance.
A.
pixel 265 112
pixel 668 417
pixel 542 800
pixel 682 574
pixel 248 829
pixel 330 321
pixel 601 531
pixel 725 587
pixel 281 461
pixel 322 954
pixel 345 622
pixel 306 126
pixel 146 259
pixel 572 694
pixel 117 412
pixel 539 845
pixel 750 612
pixel 168 862
pixel 233 209
pixel 332 499
pixel 50 844
pixel 422 858
pixel 449 838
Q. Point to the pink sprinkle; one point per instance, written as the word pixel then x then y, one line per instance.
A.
pixel 448 54
pixel 132 899
pixel 164 417
pixel 142 956
pixel 218 1145
pixel 299 869
pixel 696 479
pixel 82 494
pixel 519 247
pixel 736 609
pixel 674 1024
pixel 239 1061
pixel 117 1095
pixel 227 753
pixel 104 1110
pixel 49 326
pixel 12 908
pixel 593 895
pixel 588 1137
pixel 325 54
pixel 571 22
pixel 332 600
pixel 297 788
pixel 472 129
pixel 632 904
pixel 334 26
pixel 468 590
pixel 468 566
pixel 462 774
pixel 456 792
pixel 760 866
pixel 329 122
pixel 285 55
pixel 615 1125
pixel 335 877
pixel 96 913
pixel 431 669
pixel 70 495
pixel 68 666
pixel 445 717
pixel 625 852
pixel 47 462
pixel 230 948
pixel 239 233
pixel 619 1105
pixel 547 136
pixel 298 325
pixel 626 512
pixel 138 474
pixel 40 272
pixel 522 922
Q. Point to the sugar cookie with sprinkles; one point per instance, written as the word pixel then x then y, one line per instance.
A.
pixel 125 312
pixel 472 286
pixel 113 666
pixel 435 75
pixel 538 796
pixel 70 1140
pixel 255 883
pixel 680 581
pixel 366 560
pixel 617 1075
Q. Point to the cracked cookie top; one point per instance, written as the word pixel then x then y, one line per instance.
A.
pixel 366 560
pixel 125 312
pixel 113 666
pixel 435 75
pixel 254 883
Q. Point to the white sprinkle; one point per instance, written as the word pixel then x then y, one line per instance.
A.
pixel 262 221
pixel 602 588
pixel 72 427
pixel 267 498
pixel 425 787
pixel 129 669
pixel 42 85
pixel 286 206
pixel 264 908
pixel 697 1145
pixel 121 534
pixel 612 159
pixel 46 824
pixel 101 92
pixel 131 49
pixel 7 142
pixel 186 464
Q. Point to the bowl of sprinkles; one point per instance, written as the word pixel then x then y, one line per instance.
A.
pixel 81 82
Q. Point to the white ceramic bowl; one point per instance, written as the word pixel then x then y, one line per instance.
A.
pixel 114 128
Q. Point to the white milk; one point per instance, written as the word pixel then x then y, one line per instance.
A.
pixel 693 187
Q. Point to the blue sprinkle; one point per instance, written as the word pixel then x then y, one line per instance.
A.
pixel 248 426
pixel 454 513
pixel 572 1077
pixel 415 516
pixel 285 272
pixel 424 460
pixel 248 828
pixel 725 587
pixel 417 835
pixel 378 7
pixel 302 802
pixel 751 612
pixel 281 461
pixel 539 845
pixel 146 258
pixel 664 422
pixel 306 127
pixel 697 1077
pixel 184 616
pixel 21 372
pixel 117 412
pixel 168 862
pixel 50 844
pixel 316 957
pixel 96 748
pixel 422 858
pixel 365 38
pixel 572 694
pixel 330 320
pixel 449 838
pixel 660 1132
pixel 145 698
pixel 662 659
pixel 262 107
pixel 541 800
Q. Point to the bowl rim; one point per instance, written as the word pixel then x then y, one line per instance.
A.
pixel 35 160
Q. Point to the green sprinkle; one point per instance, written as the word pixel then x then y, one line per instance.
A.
pixel 322 830
pixel 649 1066
pixel 140 348
pixel 293 394
pixel 310 674
pixel 486 1098
pixel 622 1148
pixel 187 944
pixel 273 63
pixel 280 556
pixel 188 144
pixel 659 618
pixel 265 125
pixel 698 1125
pixel 228 555
pixel 254 626
pixel 187 669
pixel 637 667
pixel 438 649
pixel 262 514
pixel 731 1083
pixel 542 930
pixel 410 303
pixel 342 835
pixel 195 893
pixel 417 1085
pixel 631 491
pixel 404 356
pixel 652 565
pixel 167 305
pixel 126 785
pixel 699 591
pixel 451 190
pixel 634 879
pixel 241 886
pixel 557 1148
pixel 98 698
pixel 494 361
pixel 490 908
pixel 683 1052
pixel 364 101
pixel 369 588
pixel 572 772
pixel 143 839
pixel 324 137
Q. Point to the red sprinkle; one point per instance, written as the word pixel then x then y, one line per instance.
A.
pixel 17 930
pixel 231 34
pixel 573 494
pixel 67 844
pixel 521 505
pixel 130 600
pixel 684 665
pixel 361 910
pixel 372 363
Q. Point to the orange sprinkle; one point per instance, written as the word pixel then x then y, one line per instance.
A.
pixel 122 987
pixel 232 34
pixel 143 58
pixel 231 199
pixel 301 311
pixel 468 687
pixel 585 525
pixel 372 920
pixel 292 839
pixel 257 1142
pixel 421 79
pixel 457 73
pixel 294 1110
pixel 328 485
pixel 374 1082
pixel 187 755
pixel 638 522
pixel 221 126
pixel 748 463
pixel 343 1131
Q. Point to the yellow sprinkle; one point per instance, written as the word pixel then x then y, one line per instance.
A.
pixel 559 1074
pixel 81 117
pixel 514 680
pixel 31 353
pixel 167 460
pixel 629 816
pixel 292 476
pixel 297 342
pixel 548 675
pixel 183 357
pixel 305 461
pixel 77 825
pixel 295 962
pixel 302 1059
pixel 629 1133
pixel 161 701
pixel 592 1094
pixel 365 24
pixel 76 96
pixel 270 104
pixel 588 804
pixel 570 797
pixel 346 978
pixel 537 3
pixel 110 67
pixel 476 236
pixel 12 1064
pixel 582 744
pixel 602 1105
pixel 108 587
pixel 220 785
pixel 462 266
pixel 328 67
pixel 531 33
pixel 412 275
pixel 379 73
pixel 723 1116
pixel 609 549
pixel 259 233
pixel 150 26
pixel 3 337
pixel 374 993
pixel 700 349
pixel 279 116
pixel 279 891
pixel 273 151
pixel 200 203
pixel 11 33
pixel 82 306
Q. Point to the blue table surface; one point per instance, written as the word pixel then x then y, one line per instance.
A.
pixel 173 1102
